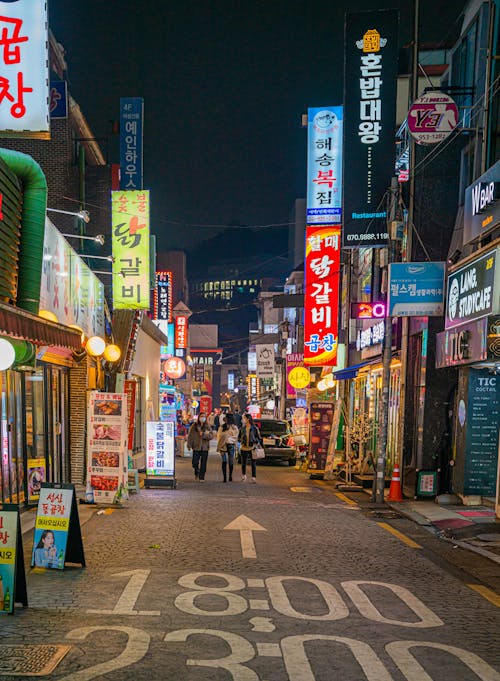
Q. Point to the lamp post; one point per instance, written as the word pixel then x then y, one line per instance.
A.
pixel 283 344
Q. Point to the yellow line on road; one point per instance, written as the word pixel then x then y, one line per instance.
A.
pixel 343 497
pixel 490 595
pixel 406 540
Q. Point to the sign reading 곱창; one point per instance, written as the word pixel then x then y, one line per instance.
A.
pixel 371 62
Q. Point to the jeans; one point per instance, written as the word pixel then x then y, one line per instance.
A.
pixel 199 463
pixel 246 457
pixel 228 457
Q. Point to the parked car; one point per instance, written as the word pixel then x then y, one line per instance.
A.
pixel 278 440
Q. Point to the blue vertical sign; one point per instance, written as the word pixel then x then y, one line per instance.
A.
pixel 324 165
pixel 131 132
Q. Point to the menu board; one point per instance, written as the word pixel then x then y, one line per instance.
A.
pixel 107 436
pixel 160 455
pixel 483 421
pixel 12 577
pixel 321 425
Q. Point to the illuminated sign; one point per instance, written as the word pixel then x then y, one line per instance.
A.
pixel 181 332
pixel 160 459
pixel 432 117
pixel 373 335
pixel 24 100
pixel 174 367
pixel 321 299
pixel 131 126
pixel 163 296
pixel 130 243
pixel 367 310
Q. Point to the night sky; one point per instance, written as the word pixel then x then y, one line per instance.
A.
pixel 224 85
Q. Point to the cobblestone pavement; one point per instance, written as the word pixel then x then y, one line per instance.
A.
pixel 167 593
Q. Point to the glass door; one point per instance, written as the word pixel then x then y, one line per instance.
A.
pixel 36 463
pixel 57 389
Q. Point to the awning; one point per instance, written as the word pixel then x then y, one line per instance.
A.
pixel 21 324
pixel 349 372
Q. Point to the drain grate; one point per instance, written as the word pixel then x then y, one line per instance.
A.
pixel 30 660
pixel 387 515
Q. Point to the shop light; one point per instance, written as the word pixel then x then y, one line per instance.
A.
pixel 321 386
pixel 7 354
pixel 95 346
pixel 109 258
pixel 81 214
pixel 112 353
pixel 48 315
pixel 270 405
pixel 98 238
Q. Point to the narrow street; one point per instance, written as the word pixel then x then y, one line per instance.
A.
pixel 306 586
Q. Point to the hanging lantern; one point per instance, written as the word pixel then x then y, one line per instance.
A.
pixel 7 354
pixel 95 346
pixel 112 353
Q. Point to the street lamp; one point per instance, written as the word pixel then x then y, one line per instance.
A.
pixel 81 214
pixel 99 238
pixel 109 258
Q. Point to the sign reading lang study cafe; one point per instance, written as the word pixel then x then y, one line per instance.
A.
pixel 472 291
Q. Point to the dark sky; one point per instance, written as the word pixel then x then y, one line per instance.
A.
pixel 224 84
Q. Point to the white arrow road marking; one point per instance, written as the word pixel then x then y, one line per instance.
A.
pixel 246 527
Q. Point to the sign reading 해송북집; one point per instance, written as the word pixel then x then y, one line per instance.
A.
pixel 130 240
pixel 107 435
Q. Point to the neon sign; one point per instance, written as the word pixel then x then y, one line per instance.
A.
pixel 367 310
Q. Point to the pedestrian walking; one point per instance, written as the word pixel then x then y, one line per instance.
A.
pixel 199 437
pixel 249 438
pixel 237 417
pixel 226 446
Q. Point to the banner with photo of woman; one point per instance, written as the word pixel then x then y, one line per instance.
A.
pixel 107 435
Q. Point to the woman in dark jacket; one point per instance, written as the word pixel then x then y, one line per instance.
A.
pixel 249 438
pixel 198 440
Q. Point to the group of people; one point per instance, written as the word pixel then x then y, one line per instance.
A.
pixel 232 431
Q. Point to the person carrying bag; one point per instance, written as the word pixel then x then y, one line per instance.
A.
pixel 249 438
pixel 226 446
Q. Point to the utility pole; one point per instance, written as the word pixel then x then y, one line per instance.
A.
pixel 379 482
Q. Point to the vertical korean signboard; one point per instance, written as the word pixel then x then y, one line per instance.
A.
pixel 324 165
pixel 131 134
pixel 107 436
pixel 130 240
pixel 24 99
pixel 321 299
pixel 181 332
pixel 160 459
pixel 163 297
pixel 12 575
pixel 371 63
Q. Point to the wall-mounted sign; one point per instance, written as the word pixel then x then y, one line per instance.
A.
pixel 24 100
pixel 58 105
pixel 416 289
pixel 372 335
pixel 324 165
pixel 294 360
pixel 432 117
pixel 181 332
pixel 130 240
pixel 471 291
pixel 160 458
pixel 163 296
pixel 265 360
pixel 321 300
pixel 482 207
pixel 367 310
pixel 131 133
pixel 464 344
pixel 493 337
pixel 174 367
pixel 371 66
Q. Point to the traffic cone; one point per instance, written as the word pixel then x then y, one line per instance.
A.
pixel 395 493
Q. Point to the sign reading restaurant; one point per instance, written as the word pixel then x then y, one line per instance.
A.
pixel 471 291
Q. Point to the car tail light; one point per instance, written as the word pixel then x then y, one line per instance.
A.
pixel 290 442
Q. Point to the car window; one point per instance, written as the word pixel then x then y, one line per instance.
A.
pixel 273 427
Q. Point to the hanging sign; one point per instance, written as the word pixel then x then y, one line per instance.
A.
pixel 265 360
pixel 181 332
pixel 58 537
pixel 416 289
pixel 24 65
pixel 174 367
pixel 58 99
pixel 324 165
pixel 432 118
pixel 294 360
pixel 130 242
pixel 471 291
pixel 12 575
pixel 321 299
pixel 131 141
pixel 163 297
pixel 482 205
pixel 107 436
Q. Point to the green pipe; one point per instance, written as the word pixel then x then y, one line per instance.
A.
pixel 32 226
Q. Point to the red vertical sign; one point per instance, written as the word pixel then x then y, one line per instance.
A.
pixel 181 330
pixel 321 299
pixel 130 390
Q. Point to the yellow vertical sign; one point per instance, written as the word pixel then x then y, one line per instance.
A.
pixel 130 241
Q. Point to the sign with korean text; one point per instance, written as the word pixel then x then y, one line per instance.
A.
pixel 265 360
pixel 174 367
pixel 321 415
pixel 470 291
pixel 416 289
pixel 168 329
pixel 324 165
pixel 181 332
pixel 107 439
pixel 131 139
pixel 432 117
pixel 130 240
pixel 9 541
pixel 482 205
pixel 24 61
pixel 68 287
pixel 163 296
pixel 160 458
pixel 371 64
pixel 58 105
pixel 130 390
pixel 294 360
pixel 321 298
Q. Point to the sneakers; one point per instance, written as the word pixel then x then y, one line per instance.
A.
pixel 243 478
pixel 196 475
pixel 254 481
pixel 202 479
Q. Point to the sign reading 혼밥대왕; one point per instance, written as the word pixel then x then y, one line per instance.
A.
pixel 371 62
pixel 416 289
pixel 324 165
pixel 470 291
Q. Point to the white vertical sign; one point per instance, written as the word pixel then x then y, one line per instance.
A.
pixel 265 360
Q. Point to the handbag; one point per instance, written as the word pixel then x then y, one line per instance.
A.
pixel 258 453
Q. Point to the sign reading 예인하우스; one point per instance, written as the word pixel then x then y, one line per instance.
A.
pixel 321 300
pixel 370 79
pixel 12 575
pixel 131 141
pixel 57 537
pixel 24 60
pixel 130 241
pixel 324 165
pixel 107 435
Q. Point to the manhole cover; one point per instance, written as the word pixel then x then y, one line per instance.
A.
pixel 30 660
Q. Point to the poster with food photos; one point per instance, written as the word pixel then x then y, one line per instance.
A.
pixel 321 417
pixel 106 446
